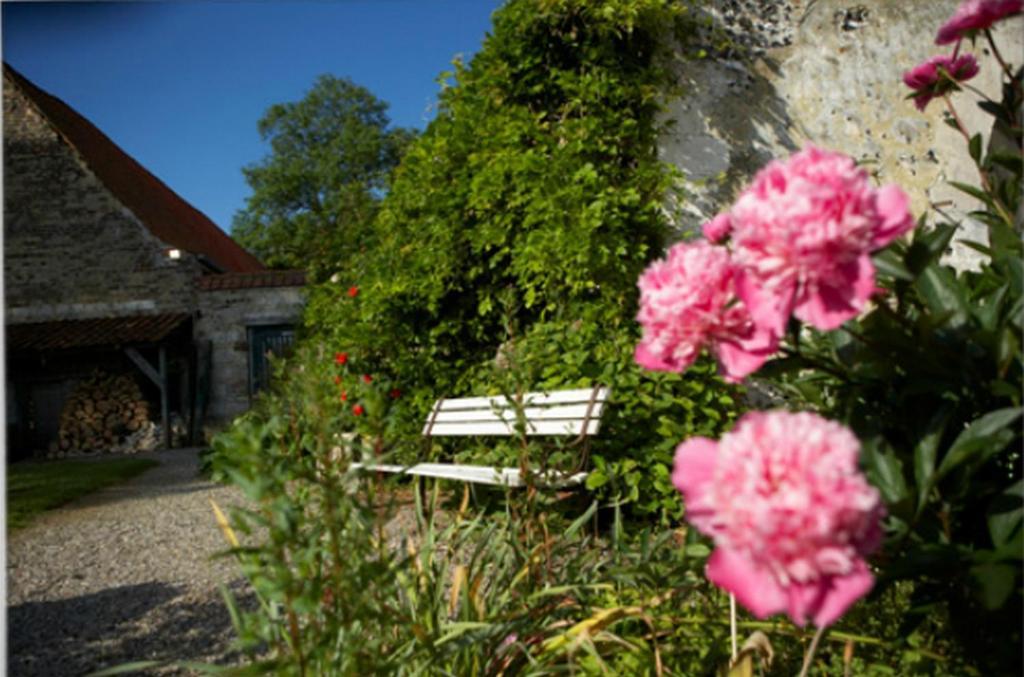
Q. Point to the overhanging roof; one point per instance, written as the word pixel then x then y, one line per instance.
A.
pixel 169 217
pixel 266 278
pixel 93 333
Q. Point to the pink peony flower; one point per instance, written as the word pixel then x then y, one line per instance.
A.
pixel 791 516
pixel 976 15
pixel 717 229
pixel 687 301
pixel 802 235
pixel 939 75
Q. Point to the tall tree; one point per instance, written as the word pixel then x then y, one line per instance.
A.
pixel 316 193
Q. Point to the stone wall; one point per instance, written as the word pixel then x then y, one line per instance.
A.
pixel 224 319
pixel 827 72
pixel 71 250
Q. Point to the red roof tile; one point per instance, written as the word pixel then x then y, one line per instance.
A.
pixel 163 211
pixel 266 278
pixel 93 333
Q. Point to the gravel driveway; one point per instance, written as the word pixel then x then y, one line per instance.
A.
pixel 123 575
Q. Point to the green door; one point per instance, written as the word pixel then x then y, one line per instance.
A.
pixel 266 342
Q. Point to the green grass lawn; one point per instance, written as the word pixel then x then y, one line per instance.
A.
pixel 36 487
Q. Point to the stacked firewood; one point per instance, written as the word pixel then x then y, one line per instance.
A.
pixel 102 411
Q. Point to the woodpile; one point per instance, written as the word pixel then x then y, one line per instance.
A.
pixel 102 413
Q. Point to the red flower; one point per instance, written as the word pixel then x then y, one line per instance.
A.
pixel 367 378
pixel 353 292
pixel 344 396
pixel 976 15
pixel 357 410
pixel 939 75
pixel 395 393
pixel 337 380
pixel 340 358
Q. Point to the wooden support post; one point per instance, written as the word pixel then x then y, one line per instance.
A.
pixel 159 378
pixel 164 404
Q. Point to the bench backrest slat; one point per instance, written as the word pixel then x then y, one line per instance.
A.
pixel 508 428
pixel 558 413
pixel 537 399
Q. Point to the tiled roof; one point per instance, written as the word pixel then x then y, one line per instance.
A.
pixel 163 211
pixel 104 331
pixel 266 278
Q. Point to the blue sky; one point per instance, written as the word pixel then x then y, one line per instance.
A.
pixel 181 85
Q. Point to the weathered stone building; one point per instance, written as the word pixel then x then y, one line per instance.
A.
pixel 105 267
pixel 829 72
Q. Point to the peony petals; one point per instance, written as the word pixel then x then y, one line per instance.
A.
pixel 739 359
pixel 840 592
pixel 648 360
pixel 769 309
pixel 976 15
pixel 737 363
pixel 791 515
pixel 755 589
pixel 802 599
pixel 717 229
pixel 802 229
pixel 693 470
pixel 831 306
pixel 688 302
pixel 894 208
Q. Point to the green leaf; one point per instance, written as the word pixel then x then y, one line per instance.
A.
pixel 995 583
pixel 974 148
pixel 1011 161
pixel 987 309
pixel 925 454
pixel 976 246
pixel 992 108
pixel 582 520
pixel 890 264
pixel 943 294
pixel 981 436
pixel 1006 516
pixel 596 479
pixel 127 668
pixel 885 471
pixel 698 550
pixel 973 192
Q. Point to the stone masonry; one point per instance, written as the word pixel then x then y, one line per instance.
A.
pixel 829 72
pixel 224 319
pixel 71 250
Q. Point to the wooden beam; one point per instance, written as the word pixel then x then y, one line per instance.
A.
pixel 144 366
pixel 164 413
pixel 159 378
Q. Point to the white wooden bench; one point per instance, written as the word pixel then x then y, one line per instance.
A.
pixel 564 413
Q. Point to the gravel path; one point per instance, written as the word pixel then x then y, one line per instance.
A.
pixel 123 575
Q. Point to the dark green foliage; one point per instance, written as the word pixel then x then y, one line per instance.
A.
pixel 647 416
pixel 535 190
pixel 531 203
pixel 930 381
pixel 359 575
pixel 315 196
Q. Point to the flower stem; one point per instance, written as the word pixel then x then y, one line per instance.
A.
pixel 811 650
pixel 999 57
pixel 732 624
pixel 985 184
pixel 960 126
pixel 980 94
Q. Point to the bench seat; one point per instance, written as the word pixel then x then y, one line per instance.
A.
pixel 562 413
pixel 478 474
